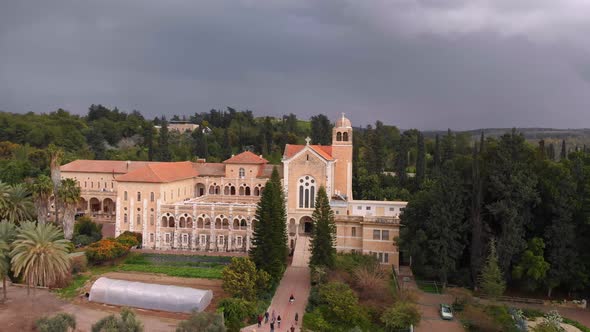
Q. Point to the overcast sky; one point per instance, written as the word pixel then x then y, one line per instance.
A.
pixel 429 64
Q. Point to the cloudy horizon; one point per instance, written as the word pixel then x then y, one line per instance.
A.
pixel 426 64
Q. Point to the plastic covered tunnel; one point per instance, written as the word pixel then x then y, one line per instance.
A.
pixel 149 296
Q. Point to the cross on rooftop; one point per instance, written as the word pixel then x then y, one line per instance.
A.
pixel 307 140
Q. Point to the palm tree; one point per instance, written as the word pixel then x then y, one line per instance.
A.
pixel 40 254
pixel 69 196
pixel 42 189
pixel 4 189
pixel 7 235
pixel 55 156
pixel 18 205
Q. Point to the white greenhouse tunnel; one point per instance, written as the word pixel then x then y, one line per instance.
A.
pixel 149 296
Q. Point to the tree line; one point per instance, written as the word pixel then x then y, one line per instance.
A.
pixel 536 210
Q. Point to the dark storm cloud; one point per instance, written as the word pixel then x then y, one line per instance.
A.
pixel 423 63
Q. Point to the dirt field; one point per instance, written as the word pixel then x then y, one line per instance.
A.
pixel 20 311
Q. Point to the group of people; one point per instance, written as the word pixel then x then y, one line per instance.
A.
pixel 275 320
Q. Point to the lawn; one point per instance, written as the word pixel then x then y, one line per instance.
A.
pixel 176 265
pixel 429 286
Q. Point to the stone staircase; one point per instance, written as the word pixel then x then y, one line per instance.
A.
pixel 302 253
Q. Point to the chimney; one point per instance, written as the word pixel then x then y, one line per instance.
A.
pixel 201 160
pixel 128 163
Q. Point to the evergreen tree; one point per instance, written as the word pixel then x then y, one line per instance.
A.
pixel 420 161
pixel 511 187
pixel 148 139
pixel 542 150
pixel 492 282
pixel 437 152
pixel 551 152
pixel 401 162
pixel 448 147
pixel 269 240
pixel 563 154
pixel 200 145
pixel 476 254
pixel 163 144
pixel 323 235
pixel 321 130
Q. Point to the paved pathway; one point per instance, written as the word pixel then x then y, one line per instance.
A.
pixel 295 281
pixel 301 253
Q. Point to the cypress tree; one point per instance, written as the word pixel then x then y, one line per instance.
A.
pixel 492 282
pixel 476 218
pixel 420 161
pixel 163 145
pixel 448 147
pixel 269 239
pixel 437 152
pixel 563 154
pixel 542 151
pixel 401 162
pixel 551 152
pixel 323 235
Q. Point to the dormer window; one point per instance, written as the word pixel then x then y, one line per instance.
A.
pixel 242 173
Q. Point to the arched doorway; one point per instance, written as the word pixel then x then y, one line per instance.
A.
pixel 95 205
pixel 307 224
pixel 199 190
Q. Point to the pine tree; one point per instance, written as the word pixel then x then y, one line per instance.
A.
pixel 420 161
pixel 323 235
pixel 542 150
pixel 491 281
pixel 269 241
pixel 563 154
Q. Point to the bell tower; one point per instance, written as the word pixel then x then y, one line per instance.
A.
pixel 342 153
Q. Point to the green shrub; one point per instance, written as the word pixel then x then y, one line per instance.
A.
pixel 236 312
pixel 82 240
pixel 502 318
pixel 85 226
pixel 351 261
pixel 105 250
pixel 129 241
pixel 314 321
pixel 202 321
pixel 400 316
pixel 61 322
pixel 127 322
pixel 137 235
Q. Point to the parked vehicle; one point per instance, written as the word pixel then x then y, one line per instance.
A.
pixel 446 312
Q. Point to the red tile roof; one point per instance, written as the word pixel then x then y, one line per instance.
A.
pixel 161 172
pixel 323 150
pixel 246 157
pixel 103 166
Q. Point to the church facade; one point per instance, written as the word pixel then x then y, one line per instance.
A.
pixel 211 206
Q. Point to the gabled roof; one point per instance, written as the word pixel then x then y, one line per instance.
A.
pixel 325 151
pixel 103 166
pixel 161 173
pixel 246 157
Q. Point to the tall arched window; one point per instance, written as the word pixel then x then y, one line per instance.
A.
pixel 125 196
pixel 307 192
pixel 345 137
pixel 242 173
pixel 338 136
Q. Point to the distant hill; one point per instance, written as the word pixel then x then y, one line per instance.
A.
pixel 573 137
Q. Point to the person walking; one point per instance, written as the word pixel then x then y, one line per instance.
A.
pixel 296 318
pixel 291 299
pixel 279 321
pixel 272 327
pixel 259 320
pixel 292 328
pixel 274 315
pixel 266 317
